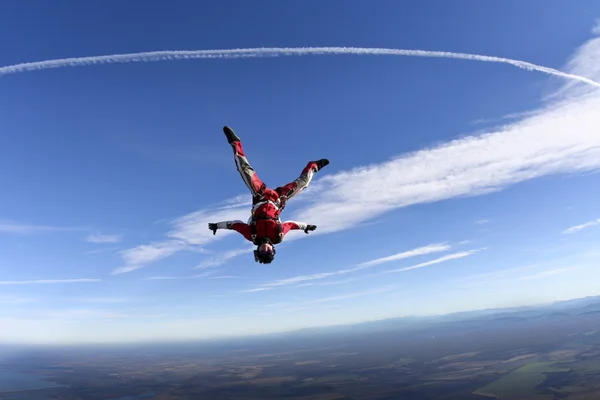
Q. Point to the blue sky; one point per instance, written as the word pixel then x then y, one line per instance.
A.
pixel 453 184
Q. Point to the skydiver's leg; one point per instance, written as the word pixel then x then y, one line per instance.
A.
pixel 299 184
pixel 248 174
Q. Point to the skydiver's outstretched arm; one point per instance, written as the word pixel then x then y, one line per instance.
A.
pixel 295 225
pixel 236 225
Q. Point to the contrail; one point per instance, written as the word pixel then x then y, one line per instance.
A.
pixel 275 52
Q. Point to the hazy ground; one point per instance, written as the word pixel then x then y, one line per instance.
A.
pixel 542 353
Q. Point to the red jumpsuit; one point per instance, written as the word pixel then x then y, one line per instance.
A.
pixel 267 204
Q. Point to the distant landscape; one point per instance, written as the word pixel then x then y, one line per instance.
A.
pixel 542 353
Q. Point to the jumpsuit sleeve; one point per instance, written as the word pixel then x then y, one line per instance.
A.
pixel 293 225
pixel 238 226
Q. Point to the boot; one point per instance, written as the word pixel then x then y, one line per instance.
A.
pixel 321 163
pixel 231 136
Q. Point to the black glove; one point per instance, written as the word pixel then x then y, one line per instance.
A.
pixel 310 228
pixel 212 227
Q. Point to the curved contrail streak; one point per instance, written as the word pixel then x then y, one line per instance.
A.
pixel 154 56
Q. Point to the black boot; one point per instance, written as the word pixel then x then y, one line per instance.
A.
pixel 231 136
pixel 321 163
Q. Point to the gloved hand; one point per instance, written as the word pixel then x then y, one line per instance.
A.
pixel 310 228
pixel 212 227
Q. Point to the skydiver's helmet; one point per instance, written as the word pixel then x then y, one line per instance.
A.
pixel 265 252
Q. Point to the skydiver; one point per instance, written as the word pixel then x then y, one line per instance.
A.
pixel 264 227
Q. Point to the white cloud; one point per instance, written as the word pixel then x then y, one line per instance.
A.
pixel 329 283
pixel 544 274
pixel 225 277
pixel 577 228
pixel 449 257
pixel 48 281
pixel 432 248
pixel 111 300
pixel 258 289
pixel 139 256
pixel 596 28
pixel 345 296
pixel 197 276
pixel 241 200
pixel 487 277
pixel 569 262
pixel 103 250
pixel 482 221
pixel 586 61
pixel 99 238
pixel 304 278
pixel 16 300
pixel 193 228
pixel 152 252
pixel 154 56
pixel 560 138
pixel 95 314
pixel 222 258
pixel 13 227
pixel 188 232
pixel 563 140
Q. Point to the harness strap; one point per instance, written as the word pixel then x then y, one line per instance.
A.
pixel 260 203
pixel 253 232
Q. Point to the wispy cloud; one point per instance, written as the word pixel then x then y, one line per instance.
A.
pixel 511 275
pixel 109 300
pixel 96 314
pixel 577 228
pixel 103 250
pixel 222 258
pixel 19 228
pixel 596 28
pixel 139 256
pixel 546 273
pixel 558 138
pixel 304 278
pixel 241 200
pixel 528 272
pixel 339 282
pixel 487 277
pixel 188 232
pixel 482 221
pixel 510 116
pixel 432 248
pixel 275 52
pixel 449 257
pixel 561 138
pixel 583 61
pixel 99 238
pixel 193 228
pixel 48 281
pixel 16 300
pixel 196 276
pixel 257 289
pixel 344 296
pixel 564 140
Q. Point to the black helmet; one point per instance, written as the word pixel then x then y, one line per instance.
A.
pixel 264 257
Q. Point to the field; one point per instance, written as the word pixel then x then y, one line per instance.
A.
pixel 522 381
pixel 551 357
